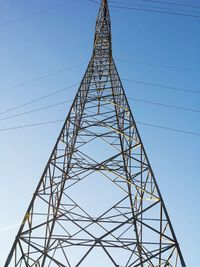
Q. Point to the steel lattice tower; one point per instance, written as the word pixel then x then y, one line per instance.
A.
pixel 97 202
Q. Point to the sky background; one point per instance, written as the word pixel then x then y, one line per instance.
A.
pixel 45 47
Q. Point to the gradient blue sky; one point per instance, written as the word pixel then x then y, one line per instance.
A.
pixel 147 47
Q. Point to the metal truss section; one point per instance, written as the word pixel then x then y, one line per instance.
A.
pixel 97 202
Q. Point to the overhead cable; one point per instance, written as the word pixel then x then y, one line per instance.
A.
pixel 39 98
pixel 155 11
pixel 162 86
pixel 35 13
pixel 41 77
pixel 138 122
pixel 35 110
pixel 129 98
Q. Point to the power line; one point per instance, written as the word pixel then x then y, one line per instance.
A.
pixel 158 65
pixel 171 3
pixel 54 73
pixel 72 86
pixel 38 99
pixel 98 3
pixel 168 128
pixel 29 125
pixel 154 11
pixel 165 105
pixel 138 122
pixel 35 110
pixel 41 77
pixel 149 10
pixel 35 13
pixel 134 99
pixel 165 3
pixel 163 86
pixel 156 7
pixel 45 76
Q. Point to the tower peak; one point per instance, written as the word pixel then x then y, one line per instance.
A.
pixel 104 2
pixel 102 39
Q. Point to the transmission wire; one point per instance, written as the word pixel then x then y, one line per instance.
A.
pixel 155 11
pixel 165 105
pixel 138 122
pixel 39 98
pixel 149 10
pixel 154 7
pixel 162 86
pixel 158 65
pixel 171 3
pixel 35 13
pixel 129 98
pixel 35 110
pixel 41 77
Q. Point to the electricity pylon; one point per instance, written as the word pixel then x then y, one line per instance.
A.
pixel 97 202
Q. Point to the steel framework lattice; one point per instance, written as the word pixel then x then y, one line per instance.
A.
pixel 97 202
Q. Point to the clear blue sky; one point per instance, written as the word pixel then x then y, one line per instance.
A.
pixel 39 38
